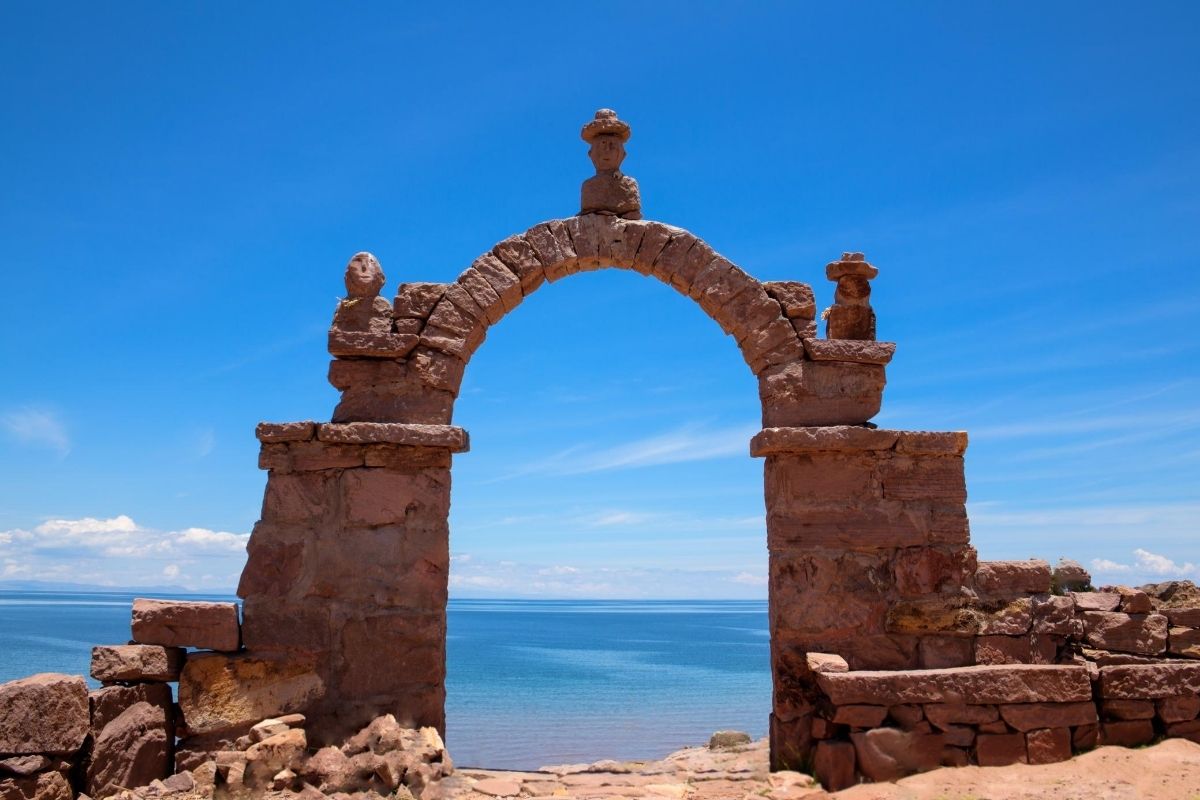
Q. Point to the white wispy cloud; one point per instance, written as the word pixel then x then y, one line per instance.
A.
pixel 116 551
pixel 38 427
pixel 481 578
pixel 689 443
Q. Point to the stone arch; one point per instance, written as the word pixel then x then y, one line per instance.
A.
pixel 409 368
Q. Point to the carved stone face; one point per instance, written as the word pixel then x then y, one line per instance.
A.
pixel 364 276
pixel 607 152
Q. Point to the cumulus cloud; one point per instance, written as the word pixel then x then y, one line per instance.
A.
pixel 1147 567
pixel 116 551
pixel 38 427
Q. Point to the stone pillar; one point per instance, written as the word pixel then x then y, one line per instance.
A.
pixel 348 567
pixel 857 520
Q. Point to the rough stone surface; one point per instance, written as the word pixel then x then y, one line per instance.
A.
pixel 977 685
pixel 44 713
pixel 136 662
pixel 178 623
pixel 850 350
pixel 1008 578
pixel 131 750
pixel 1150 681
pixel 886 754
pixel 1031 716
pixel 1048 745
pixel 834 765
pixel 1143 634
pixel 219 692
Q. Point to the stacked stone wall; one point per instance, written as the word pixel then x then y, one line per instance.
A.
pixel 1112 678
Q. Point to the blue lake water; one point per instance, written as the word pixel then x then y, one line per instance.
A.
pixel 528 682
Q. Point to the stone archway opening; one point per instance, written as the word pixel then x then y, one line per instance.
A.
pixel 581 680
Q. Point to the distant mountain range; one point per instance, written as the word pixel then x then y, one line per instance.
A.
pixel 56 586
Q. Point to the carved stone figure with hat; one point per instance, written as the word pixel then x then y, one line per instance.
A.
pixel 609 191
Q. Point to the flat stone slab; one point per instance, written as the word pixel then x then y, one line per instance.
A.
pixel 982 685
pixel 853 350
pixel 855 438
pixel 286 431
pixel 450 437
pixel 136 662
pixel 178 623
pixel 45 713
pixel 1149 681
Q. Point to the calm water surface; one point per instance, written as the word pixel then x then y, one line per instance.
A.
pixel 529 682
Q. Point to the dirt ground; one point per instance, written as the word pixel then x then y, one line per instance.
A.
pixel 1167 771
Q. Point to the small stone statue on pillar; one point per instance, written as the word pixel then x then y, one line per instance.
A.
pixel 363 309
pixel 609 191
pixel 851 315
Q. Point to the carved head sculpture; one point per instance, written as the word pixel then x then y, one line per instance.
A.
pixel 607 136
pixel 364 276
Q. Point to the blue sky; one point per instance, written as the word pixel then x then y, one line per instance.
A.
pixel 184 183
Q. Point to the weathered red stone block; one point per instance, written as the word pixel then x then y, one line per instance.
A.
pixel 1008 578
pixel 906 717
pixel 365 344
pixel 999 750
pixel 1150 681
pixel 791 742
pixel 820 393
pixel 1144 634
pixel 220 692
pixel 1179 709
pixel 1085 737
pixel 271 624
pixel 481 294
pixel 506 285
pixel 1030 716
pixel 795 298
pixel 1184 642
pixel 275 559
pixel 133 734
pixel 923 477
pixel 377 497
pixel 366 564
pixel 829 439
pixel 136 662
pixel 378 652
pixel 1053 614
pixel 178 623
pixel 298 498
pixel 286 431
pixel 1132 733
pixel 977 685
pixel 1048 745
pixel 941 652
pixel 417 300
pixel 860 716
pixel 796 483
pixel 44 713
pixel 519 256
pixel 834 765
pixel 943 715
pixel 1116 710
pixel 944 443
pixel 921 571
pixel 887 754
pixel 1004 650
pixel 851 350
pixel 1096 601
